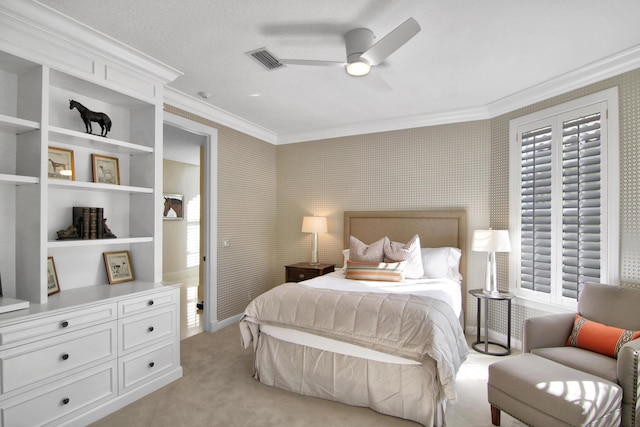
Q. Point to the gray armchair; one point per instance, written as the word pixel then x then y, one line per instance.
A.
pixel 611 305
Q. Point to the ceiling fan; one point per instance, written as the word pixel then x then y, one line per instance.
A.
pixel 362 53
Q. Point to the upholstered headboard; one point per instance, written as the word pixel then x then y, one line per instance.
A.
pixel 435 228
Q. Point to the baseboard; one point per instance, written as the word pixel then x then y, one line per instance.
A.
pixel 125 399
pixel 216 325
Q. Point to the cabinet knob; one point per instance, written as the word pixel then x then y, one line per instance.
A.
pixel 64 324
pixel 150 329
pixel 301 276
pixel 150 302
pixel 65 401
pixel 64 356
pixel 151 364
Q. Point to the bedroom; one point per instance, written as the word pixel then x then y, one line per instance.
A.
pixel 456 165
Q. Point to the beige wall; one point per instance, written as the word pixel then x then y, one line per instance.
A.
pixel 178 178
pixel 265 190
pixel 439 167
pixel 246 216
pixel 629 209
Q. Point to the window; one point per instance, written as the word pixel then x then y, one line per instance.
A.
pixel 564 199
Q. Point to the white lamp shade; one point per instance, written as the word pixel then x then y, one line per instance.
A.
pixel 314 224
pixel 491 241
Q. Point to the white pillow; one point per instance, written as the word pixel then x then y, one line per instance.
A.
pixel 441 262
pixel 410 252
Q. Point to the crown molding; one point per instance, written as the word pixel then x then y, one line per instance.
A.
pixel 387 125
pixel 605 68
pixel 50 27
pixel 193 105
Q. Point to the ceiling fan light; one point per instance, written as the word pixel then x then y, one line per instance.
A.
pixel 358 68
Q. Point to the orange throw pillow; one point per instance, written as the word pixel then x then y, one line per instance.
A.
pixel 603 339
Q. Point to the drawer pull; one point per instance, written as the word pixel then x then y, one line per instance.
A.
pixel 150 329
pixel 65 401
pixel 151 365
pixel 65 356
pixel 150 302
pixel 301 276
pixel 64 324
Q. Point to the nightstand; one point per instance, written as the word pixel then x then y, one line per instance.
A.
pixel 304 270
pixel 500 296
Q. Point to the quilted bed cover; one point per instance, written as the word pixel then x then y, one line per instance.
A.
pixel 415 327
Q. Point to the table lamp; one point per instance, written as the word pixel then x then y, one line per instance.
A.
pixel 315 225
pixel 491 241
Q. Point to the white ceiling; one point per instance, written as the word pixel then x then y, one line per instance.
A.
pixel 469 56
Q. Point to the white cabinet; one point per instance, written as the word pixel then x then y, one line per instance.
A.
pixel 83 358
pixel 73 357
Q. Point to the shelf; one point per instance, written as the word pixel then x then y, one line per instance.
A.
pixel 94 186
pixel 7 179
pixel 72 137
pixel 97 242
pixel 17 126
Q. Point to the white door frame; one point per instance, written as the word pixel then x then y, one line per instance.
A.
pixel 210 255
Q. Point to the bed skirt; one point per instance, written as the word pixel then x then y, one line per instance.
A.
pixel 405 391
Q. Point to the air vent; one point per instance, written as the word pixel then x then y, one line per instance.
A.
pixel 265 58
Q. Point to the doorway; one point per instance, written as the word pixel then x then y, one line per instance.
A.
pixel 189 223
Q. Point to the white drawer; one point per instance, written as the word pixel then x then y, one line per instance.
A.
pixel 36 361
pixel 58 323
pixel 50 404
pixel 145 365
pixel 146 328
pixel 148 302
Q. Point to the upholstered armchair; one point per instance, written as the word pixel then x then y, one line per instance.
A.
pixel 616 306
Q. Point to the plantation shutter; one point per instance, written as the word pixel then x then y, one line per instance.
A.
pixel 536 210
pixel 581 210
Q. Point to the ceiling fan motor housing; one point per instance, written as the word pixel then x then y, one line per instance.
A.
pixel 357 42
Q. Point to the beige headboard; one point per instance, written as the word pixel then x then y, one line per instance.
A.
pixel 435 228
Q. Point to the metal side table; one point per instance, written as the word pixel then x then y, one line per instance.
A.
pixel 500 296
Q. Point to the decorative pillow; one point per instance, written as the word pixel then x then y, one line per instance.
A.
pixel 441 262
pixel 362 252
pixel 410 252
pixel 598 337
pixel 383 271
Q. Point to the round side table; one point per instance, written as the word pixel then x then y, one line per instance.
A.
pixel 481 295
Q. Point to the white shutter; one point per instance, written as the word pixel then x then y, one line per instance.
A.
pixel 581 213
pixel 536 210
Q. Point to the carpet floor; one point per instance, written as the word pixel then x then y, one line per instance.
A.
pixel 217 389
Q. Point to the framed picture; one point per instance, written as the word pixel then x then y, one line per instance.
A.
pixel 172 207
pixel 60 164
pixel 53 286
pixel 105 169
pixel 119 268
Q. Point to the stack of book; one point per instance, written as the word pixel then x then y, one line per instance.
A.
pixel 90 222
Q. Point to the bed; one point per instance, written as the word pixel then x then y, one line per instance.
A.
pixel 394 347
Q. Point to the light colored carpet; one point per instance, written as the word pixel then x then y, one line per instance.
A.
pixel 217 389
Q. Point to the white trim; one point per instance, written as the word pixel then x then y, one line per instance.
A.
pixel 193 105
pixel 219 324
pixel 610 201
pixel 211 209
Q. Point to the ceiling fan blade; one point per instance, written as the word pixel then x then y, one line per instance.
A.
pixel 312 62
pixel 391 42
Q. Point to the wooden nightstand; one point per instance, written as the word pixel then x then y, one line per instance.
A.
pixel 303 271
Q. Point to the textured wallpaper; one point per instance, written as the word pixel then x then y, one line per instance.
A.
pixel 438 167
pixel 629 110
pixel 265 190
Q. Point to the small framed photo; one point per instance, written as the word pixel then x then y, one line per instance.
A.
pixel 172 207
pixel 53 286
pixel 60 164
pixel 105 169
pixel 119 268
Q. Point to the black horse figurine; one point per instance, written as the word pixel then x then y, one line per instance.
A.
pixel 89 116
